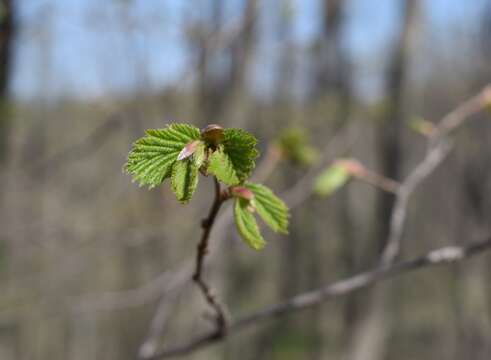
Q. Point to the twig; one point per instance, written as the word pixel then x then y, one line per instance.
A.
pixel 159 320
pixel 438 148
pixel 86 147
pixel 165 283
pixel 456 118
pixel 380 181
pixel 449 254
pixel 271 160
pixel 343 139
pixel 202 250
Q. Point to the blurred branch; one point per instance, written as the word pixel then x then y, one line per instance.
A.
pixel 270 162
pixel 342 140
pixel 159 319
pixel 444 255
pixel 358 170
pixel 117 300
pixel 86 147
pixel 216 40
pixel 438 148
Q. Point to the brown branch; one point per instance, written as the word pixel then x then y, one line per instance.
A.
pixel 202 250
pixel 316 297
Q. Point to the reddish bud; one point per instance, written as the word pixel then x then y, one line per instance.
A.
pixel 352 167
pixel 242 193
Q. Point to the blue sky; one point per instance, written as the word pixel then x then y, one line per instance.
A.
pixel 84 48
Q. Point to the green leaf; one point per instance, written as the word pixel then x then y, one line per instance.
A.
pixel 240 146
pixel 421 126
pixel 199 154
pixel 246 224
pixel 184 179
pixel 294 145
pixel 269 207
pixel 331 179
pixel 152 157
pixel 222 167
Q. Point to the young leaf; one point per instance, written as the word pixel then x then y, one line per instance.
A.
pixel 331 179
pixel 199 154
pixel 184 179
pixel 222 167
pixel 246 225
pixel 294 146
pixel 270 208
pixel 151 159
pixel 240 146
pixel 422 126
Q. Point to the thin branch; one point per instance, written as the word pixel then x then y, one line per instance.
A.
pixel 456 118
pixel 403 194
pixel 165 283
pixel 439 147
pixel 267 166
pixel 380 182
pixel 358 170
pixel 86 147
pixel 164 309
pixel 202 250
pixel 343 140
pixel 444 255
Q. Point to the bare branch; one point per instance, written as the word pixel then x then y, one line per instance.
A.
pixel 85 148
pixel 117 300
pixel 444 255
pixel 343 139
pixel 159 319
pixel 438 148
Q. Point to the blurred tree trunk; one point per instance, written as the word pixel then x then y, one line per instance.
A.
pixel 241 54
pixel 334 80
pixel 390 133
pixel 210 84
pixel 370 341
pixel 285 73
pixel 329 77
pixel 471 297
pixel 7 27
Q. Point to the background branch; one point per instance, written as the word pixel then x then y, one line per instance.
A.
pixel 438 148
pixel 316 297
